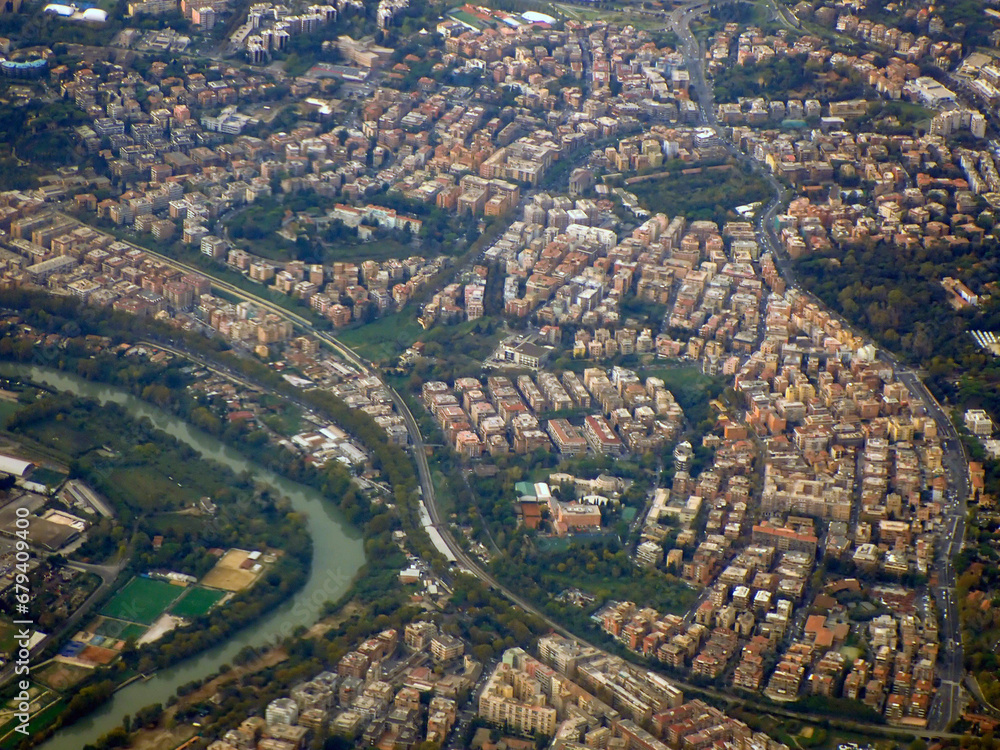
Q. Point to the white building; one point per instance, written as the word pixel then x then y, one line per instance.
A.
pixel 978 422
pixel 281 711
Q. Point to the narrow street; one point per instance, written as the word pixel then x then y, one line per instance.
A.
pixel 947 705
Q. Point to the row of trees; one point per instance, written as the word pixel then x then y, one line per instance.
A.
pixel 278 527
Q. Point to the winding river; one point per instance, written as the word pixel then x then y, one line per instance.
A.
pixel 338 553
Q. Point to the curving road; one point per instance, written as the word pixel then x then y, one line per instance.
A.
pixel 679 20
pixel 418 447
pixel 108 574
pixel 947 703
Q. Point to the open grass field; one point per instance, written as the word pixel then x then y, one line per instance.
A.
pixel 144 470
pixel 195 602
pixel 153 490
pixel 692 388
pixel 445 500
pixel 287 420
pixel 384 339
pixel 688 380
pixel 142 600
pixel 65 437
pixel 7 408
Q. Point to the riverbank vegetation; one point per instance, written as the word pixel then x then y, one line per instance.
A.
pixel 163 384
pixel 66 326
pixel 147 475
pixel 63 327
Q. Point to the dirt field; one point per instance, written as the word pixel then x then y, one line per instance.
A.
pixel 98 655
pixel 162 739
pixel 227 574
pixel 322 627
pixel 164 624
pixel 61 676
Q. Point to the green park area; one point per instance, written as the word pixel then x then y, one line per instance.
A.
pixel 67 437
pixel 166 491
pixel 710 194
pixel 795 734
pixel 453 348
pixel 140 469
pixel 256 229
pixel 384 339
pixel 692 388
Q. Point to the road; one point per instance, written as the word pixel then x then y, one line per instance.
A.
pixel 679 20
pixel 219 370
pixel 470 565
pixel 417 447
pixel 108 574
pixel 947 704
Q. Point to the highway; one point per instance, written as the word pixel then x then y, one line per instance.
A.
pixel 678 19
pixel 417 447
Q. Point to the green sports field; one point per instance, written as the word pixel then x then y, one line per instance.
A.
pixel 196 602
pixel 142 600
pixel 119 629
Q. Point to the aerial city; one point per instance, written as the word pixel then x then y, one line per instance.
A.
pixel 526 375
